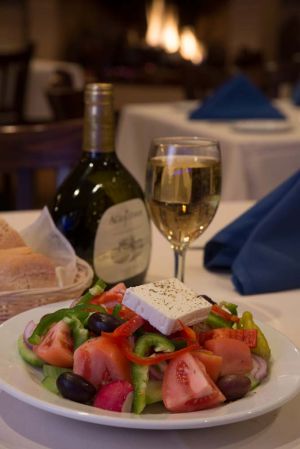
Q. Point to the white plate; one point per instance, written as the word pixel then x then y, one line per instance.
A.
pixel 262 126
pixel 23 382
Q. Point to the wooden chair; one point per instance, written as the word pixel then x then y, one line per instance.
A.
pixel 26 149
pixel 13 82
pixel 66 102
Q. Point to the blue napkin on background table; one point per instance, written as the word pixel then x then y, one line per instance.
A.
pixel 296 94
pixel 237 99
pixel 262 246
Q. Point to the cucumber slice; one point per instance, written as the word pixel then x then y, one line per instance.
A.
pixel 27 354
pixel 50 384
pixel 153 391
pixel 53 371
pixel 51 374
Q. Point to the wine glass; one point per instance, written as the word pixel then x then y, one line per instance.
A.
pixel 183 186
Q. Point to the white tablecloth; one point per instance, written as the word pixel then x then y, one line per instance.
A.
pixel 253 163
pixel 25 427
pixel 40 73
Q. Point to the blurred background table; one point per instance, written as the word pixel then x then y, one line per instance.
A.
pixel 254 163
pixel 23 426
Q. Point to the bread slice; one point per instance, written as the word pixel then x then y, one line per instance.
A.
pixel 23 269
pixel 19 251
pixel 9 237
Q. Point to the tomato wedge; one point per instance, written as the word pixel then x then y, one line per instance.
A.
pixel 248 336
pixel 100 361
pixel 187 386
pixel 56 347
pixel 236 355
pixel 211 361
pixel 111 297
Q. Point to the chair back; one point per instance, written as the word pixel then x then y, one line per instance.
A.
pixel 26 149
pixel 13 82
pixel 66 102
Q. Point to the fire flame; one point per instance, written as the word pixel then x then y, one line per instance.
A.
pixel 190 47
pixel 155 16
pixel 163 31
pixel 170 39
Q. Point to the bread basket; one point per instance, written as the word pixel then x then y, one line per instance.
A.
pixel 14 302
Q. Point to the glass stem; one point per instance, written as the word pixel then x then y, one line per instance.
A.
pixel 179 263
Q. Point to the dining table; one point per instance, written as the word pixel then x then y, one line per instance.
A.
pixel 257 155
pixel 24 426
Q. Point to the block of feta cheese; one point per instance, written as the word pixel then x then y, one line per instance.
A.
pixel 164 302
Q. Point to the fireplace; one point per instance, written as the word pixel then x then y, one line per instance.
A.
pixel 160 44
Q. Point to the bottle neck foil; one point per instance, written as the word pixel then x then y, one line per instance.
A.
pixel 98 135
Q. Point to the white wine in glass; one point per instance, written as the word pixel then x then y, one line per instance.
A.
pixel 183 187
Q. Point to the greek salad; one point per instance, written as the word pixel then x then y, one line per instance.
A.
pixel 102 353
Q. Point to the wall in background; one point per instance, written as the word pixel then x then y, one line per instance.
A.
pixel 59 27
pixel 255 25
pixel 45 24
pixel 12 24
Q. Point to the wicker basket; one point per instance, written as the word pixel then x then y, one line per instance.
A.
pixel 12 303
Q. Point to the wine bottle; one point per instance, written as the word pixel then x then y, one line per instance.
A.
pixel 100 207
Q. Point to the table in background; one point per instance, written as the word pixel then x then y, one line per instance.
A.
pixel 253 163
pixel 26 427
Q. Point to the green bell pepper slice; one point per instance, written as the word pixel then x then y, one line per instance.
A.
pixel 140 373
pixel 230 306
pixel 215 321
pixel 95 290
pixel 46 322
pixel 116 311
pixel 80 311
pixel 79 333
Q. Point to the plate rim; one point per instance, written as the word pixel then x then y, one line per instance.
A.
pixel 189 420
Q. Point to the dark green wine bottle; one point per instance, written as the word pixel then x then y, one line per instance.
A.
pixel 100 207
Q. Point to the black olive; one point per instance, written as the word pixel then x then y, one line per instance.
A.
pixel 75 387
pixel 102 322
pixel 234 386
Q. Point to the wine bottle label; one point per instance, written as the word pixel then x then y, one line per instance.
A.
pixel 122 243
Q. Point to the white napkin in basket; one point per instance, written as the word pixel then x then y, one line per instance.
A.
pixel 44 237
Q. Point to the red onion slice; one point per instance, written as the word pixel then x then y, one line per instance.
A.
pixel 29 328
pixel 260 367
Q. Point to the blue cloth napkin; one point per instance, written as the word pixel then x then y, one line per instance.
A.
pixel 296 94
pixel 237 99
pixel 262 246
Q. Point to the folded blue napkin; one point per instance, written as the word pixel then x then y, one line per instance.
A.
pixel 237 99
pixel 296 94
pixel 261 248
